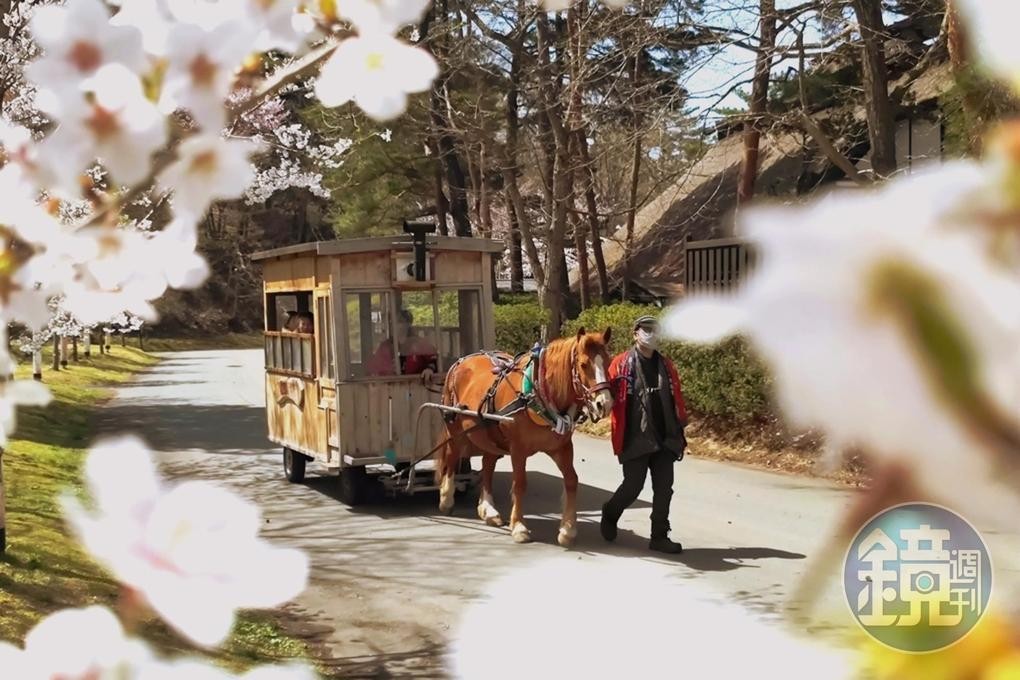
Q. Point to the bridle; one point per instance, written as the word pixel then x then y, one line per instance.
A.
pixel 584 396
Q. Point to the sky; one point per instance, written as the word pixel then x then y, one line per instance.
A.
pixel 721 68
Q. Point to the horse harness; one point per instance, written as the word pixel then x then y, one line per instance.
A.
pixel 533 395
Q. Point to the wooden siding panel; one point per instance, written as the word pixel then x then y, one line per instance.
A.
pixel 367 269
pixel 458 268
pixel 301 428
pixel 365 419
pixel 322 271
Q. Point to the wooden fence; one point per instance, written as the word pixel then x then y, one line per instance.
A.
pixel 716 265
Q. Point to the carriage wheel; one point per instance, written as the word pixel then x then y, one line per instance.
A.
pixel 353 485
pixel 294 465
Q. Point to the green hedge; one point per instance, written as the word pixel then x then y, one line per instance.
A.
pixel 724 380
pixel 518 325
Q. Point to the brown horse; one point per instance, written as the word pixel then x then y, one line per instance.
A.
pixel 570 376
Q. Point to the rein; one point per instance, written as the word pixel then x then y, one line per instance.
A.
pixel 584 396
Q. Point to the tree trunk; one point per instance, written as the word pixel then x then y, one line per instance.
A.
pixel 123 339
pixel 74 349
pixel 37 364
pixel 555 293
pixel 956 38
pixel 515 201
pixel 455 181
pixel 516 252
pixel 64 342
pixel 442 205
pixel 958 44
pixel 758 103
pixel 881 123
pixel 581 245
pixel 56 353
pixel 591 205
pixel 484 196
pixel 87 342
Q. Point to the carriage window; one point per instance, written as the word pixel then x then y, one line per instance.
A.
pixel 369 344
pixel 460 324
pixel 416 332
pixel 289 333
pixel 328 370
pixel 289 312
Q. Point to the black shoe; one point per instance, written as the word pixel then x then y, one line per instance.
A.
pixel 664 545
pixel 607 526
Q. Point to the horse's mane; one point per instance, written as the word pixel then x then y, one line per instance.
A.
pixel 558 372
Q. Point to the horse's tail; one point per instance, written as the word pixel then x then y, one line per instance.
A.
pixel 442 445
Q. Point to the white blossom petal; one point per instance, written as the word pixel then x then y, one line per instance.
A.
pixel 384 16
pixel 377 71
pixel 82 643
pixel 191 550
pixel 208 168
pixel 665 621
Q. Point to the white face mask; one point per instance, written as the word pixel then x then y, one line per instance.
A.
pixel 647 339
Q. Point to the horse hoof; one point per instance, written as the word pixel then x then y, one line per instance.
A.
pixel 446 508
pixel 567 537
pixel 489 514
pixel 521 534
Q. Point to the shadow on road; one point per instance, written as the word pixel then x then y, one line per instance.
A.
pixel 170 427
pixel 543 498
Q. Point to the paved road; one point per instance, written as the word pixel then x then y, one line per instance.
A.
pixel 389 580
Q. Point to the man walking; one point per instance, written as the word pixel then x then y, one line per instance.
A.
pixel 649 416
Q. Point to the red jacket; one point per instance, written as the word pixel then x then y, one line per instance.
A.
pixel 619 375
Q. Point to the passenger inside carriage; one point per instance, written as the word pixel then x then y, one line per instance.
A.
pixel 417 354
pixel 300 322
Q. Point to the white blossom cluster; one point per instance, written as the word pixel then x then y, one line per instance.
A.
pixel 188 552
pixel 118 104
pixel 297 161
pixel 111 83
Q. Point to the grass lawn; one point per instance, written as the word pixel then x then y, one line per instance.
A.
pixel 228 341
pixel 44 569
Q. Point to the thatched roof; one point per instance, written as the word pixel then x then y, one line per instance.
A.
pixel 701 203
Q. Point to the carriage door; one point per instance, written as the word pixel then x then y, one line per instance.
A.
pixel 326 362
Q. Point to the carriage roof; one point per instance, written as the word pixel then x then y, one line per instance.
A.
pixel 352 246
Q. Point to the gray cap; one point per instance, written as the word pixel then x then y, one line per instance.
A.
pixel 645 320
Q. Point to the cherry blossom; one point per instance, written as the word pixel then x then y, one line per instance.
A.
pixel 296 160
pixel 385 16
pixel 991 24
pixel 80 644
pixel 201 66
pixel 24 228
pixel 90 644
pixel 172 254
pixel 18 146
pixel 376 71
pixel 77 40
pixel 151 19
pixel 669 622
pixel 277 21
pixel 207 168
pixel 117 125
pixel 190 550
pixel 12 660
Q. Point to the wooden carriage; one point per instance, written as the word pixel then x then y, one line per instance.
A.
pixel 379 311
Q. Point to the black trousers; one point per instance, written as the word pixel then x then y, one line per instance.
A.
pixel 635 472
